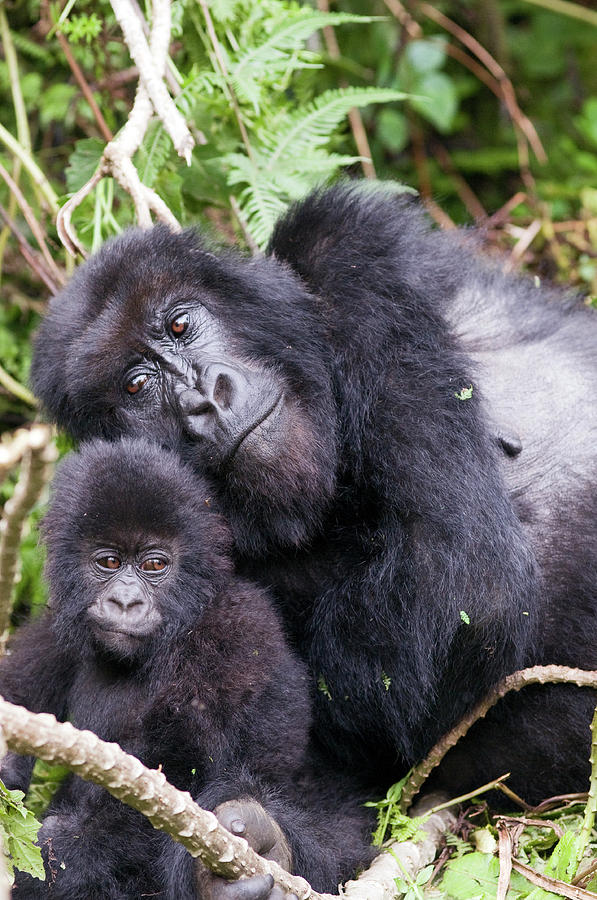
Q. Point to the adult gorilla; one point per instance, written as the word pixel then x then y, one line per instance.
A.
pixel 361 396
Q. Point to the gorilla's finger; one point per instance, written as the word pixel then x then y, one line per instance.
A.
pixel 247 818
pixel 258 887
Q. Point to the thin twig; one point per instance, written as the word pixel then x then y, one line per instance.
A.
pixel 32 258
pixel 17 389
pixel 32 168
pixel 509 96
pixel 354 115
pixel 565 8
pixel 33 224
pixel 553 885
pixel 505 858
pixel 514 682
pixel 211 31
pixel 85 89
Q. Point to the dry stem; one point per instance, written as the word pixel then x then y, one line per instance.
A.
pixel 151 95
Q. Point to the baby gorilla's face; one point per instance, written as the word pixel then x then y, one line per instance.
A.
pixel 125 610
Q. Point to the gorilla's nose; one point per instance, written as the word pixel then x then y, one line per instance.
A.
pixel 124 602
pixel 211 408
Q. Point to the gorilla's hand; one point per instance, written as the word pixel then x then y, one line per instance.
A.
pixel 247 818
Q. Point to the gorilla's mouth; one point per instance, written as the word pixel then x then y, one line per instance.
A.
pixel 108 630
pixel 269 416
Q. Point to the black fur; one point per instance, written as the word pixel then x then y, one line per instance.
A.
pixel 383 505
pixel 213 695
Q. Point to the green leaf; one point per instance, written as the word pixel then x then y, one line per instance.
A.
pixel 465 393
pixel 465 618
pixel 425 55
pixel 392 129
pixel 55 103
pixel 19 829
pixel 587 121
pixel 562 862
pixel 311 126
pixel 83 162
pixel 322 686
pixel 45 781
pixel 436 100
pixel 257 64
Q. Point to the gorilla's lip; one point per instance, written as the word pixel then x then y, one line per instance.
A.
pixel 269 413
pixel 108 629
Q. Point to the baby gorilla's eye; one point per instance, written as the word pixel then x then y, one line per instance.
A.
pixel 155 564
pixel 135 384
pixel 108 562
pixel 179 325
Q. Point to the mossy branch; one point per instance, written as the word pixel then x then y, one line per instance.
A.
pixel 36 450
pixel 514 682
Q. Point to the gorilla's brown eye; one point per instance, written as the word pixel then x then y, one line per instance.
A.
pixel 179 325
pixel 155 564
pixel 108 562
pixel 136 383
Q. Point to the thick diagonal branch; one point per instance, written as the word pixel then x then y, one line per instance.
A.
pixel 174 811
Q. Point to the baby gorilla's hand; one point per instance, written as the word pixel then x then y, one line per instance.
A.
pixel 248 819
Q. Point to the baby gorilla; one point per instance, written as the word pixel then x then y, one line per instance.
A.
pixel 150 640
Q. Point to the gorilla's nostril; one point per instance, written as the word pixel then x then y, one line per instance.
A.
pixel 223 391
pixel 192 403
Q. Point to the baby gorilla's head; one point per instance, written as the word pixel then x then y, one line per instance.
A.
pixel 135 551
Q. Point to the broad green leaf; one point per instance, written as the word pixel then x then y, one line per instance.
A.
pixel 83 162
pixel 436 99
pixel 392 129
pixel 425 55
pixel 19 827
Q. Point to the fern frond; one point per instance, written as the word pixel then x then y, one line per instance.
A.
pixel 275 53
pixel 153 153
pixel 311 126
pixel 261 201
pixel 196 88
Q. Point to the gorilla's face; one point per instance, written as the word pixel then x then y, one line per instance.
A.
pixel 127 591
pixel 224 360
pixel 188 375
pixel 136 550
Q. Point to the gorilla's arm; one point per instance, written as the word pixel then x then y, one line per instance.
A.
pixel 36 674
pixel 435 568
pixel 323 834
pixel 255 775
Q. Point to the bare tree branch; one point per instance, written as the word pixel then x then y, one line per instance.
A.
pixel 151 94
pixel 152 64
